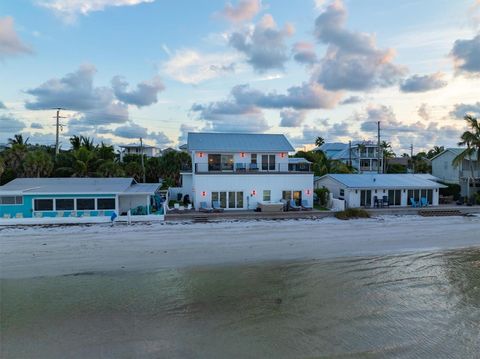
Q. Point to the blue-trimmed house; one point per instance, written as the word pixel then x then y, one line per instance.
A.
pixel 77 197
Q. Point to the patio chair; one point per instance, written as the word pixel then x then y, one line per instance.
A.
pixel 253 167
pixel 86 213
pixel 413 202
pixel 60 214
pixel 376 202
pixel 189 207
pixel 305 205
pixel 19 215
pixel 423 202
pixel 293 206
pixel 240 167
pixel 385 202
pixel 204 208
pixel 216 206
pixel 6 216
pixel 38 214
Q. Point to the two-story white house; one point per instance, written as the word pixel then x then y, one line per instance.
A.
pixel 136 149
pixel 241 170
pixel 362 155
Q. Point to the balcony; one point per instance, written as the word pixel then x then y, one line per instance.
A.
pixel 252 168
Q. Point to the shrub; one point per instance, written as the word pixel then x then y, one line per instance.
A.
pixel 351 213
pixel 322 195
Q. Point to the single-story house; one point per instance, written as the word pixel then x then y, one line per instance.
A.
pixel 361 190
pixel 77 197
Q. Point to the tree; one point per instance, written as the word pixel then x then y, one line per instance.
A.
pixel 38 164
pixel 471 139
pixel 76 142
pixel 387 153
pixel 436 150
pixel 82 159
pixel 319 141
pixel 17 140
pixel 110 168
pixel 134 169
pixel 15 157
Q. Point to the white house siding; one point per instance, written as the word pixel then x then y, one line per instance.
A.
pixel 126 202
pixel 442 168
pixel 201 158
pixel 204 185
pixel 332 185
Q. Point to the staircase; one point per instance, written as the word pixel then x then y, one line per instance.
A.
pixel 439 212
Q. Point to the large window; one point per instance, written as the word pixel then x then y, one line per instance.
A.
pixel 85 204
pixel 217 162
pixel 267 195
pixel 287 195
pixel 235 199
pixel 64 204
pixel 106 203
pixel 11 200
pixel 268 162
pixel 366 198
pixel 43 204
pixel 394 197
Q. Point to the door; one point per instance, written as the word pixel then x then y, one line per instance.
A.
pixel 297 197
pixel 366 198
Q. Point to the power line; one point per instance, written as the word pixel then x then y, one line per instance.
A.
pixel 57 128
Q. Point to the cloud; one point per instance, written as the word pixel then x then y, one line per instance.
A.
pixel 184 130
pixel 192 67
pixel 130 130
pixel 144 95
pixel 10 43
pixel 2 106
pixel 351 100
pixel 70 9
pixel 245 10
pixel 423 112
pixel 292 118
pixel 424 83
pixel 466 56
pixel 461 109
pixel 264 44
pixel 304 53
pixel 36 125
pixel 10 125
pixel 161 139
pixel 353 61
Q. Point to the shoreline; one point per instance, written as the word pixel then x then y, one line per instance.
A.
pixel 52 251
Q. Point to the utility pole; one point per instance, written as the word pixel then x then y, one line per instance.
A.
pixel 143 164
pixel 58 125
pixel 350 153
pixel 411 158
pixel 378 147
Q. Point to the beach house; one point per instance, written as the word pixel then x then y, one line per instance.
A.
pixel 378 190
pixel 77 197
pixel 242 170
pixel 136 149
pixel 361 155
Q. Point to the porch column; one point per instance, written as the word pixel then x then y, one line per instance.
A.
pixel 148 204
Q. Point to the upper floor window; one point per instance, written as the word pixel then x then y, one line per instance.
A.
pixel 267 195
pixel 218 162
pixel 268 162
pixel 253 158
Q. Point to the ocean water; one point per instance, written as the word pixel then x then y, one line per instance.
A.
pixel 423 305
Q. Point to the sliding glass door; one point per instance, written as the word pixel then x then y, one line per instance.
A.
pixel 366 198
pixel 229 200
pixel 394 197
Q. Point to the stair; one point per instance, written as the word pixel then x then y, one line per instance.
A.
pixel 439 212
pixel 200 219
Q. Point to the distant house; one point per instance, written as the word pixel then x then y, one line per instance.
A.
pixel 136 149
pixel 361 190
pixel 74 197
pixel 241 170
pixel 362 155
pixel 443 168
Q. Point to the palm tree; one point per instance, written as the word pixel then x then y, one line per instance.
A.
pixel 2 166
pixel 76 142
pixel 17 140
pixel 82 158
pixel 387 154
pixel 436 150
pixel 134 169
pixel 38 164
pixel 319 141
pixel 87 142
pixel 471 139
pixel 110 168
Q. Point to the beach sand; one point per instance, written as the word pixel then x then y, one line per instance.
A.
pixel 51 251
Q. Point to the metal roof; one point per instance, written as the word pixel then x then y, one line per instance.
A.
pixel 238 142
pixel 455 150
pixel 134 145
pixel 332 146
pixel 71 185
pixel 143 188
pixel 384 180
pixel 294 160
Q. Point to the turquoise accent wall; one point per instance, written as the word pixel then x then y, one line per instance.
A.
pixel 26 209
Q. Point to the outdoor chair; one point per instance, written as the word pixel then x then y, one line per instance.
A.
pixel 385 201
pixel 305 205
pixel 240 167
pixel 36 215
pixel 60 213
pixel 413 202
pixel 19 215
pixel 293 206
pixel 216 206
pixel 253 167
pixel 6 216
pixel 189 207
pixel 423 202
pixel 376 202
pixel 204 208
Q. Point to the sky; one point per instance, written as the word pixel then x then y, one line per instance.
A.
pixel 157 69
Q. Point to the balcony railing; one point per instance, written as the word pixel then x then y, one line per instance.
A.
pixel 252 168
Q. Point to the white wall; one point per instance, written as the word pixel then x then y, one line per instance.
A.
pixel 127 202
pixel 202 159
pixel 442 168
pixel 247 183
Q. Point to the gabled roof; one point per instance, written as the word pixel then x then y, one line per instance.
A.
pixel 135 145
pixel 332 146
pixel 74 185
pixel 455 150
pixel 295 160
pixel 238 142
pixel 398 181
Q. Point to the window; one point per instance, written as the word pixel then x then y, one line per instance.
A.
pixel 253 158
pixel 227 162
pixel 85 204
pixel 64 204
pixel 342 192
pixel 43 204
pixel 267 195
pixel 287 195
pixel 268 162
pixel 217 162
pixel 106 203
pixel 11 200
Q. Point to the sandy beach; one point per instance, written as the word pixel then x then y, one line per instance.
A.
pixel 37 251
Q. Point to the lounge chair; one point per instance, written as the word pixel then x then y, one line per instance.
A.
pixel 293 206
pixel 253 167
pixel 38 214
pixel 19 215
pixel 189 207
pixel 204 208
pixel 413 202
pixel 216 206
pixel 240 167
pixel 305 205
pixel 423 202
pixel 385 202
pixel 6 216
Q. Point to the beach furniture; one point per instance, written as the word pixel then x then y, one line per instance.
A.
pixel 376 202
pixel 413 202
pixel 189 207
pixel 38 214
pixel 86 213
pixel 240 167
pixel 19 215
pixel 60 214
pixel 293 206
pixel 423 202
pixel 385 201
pixel 216 206
pixel 305 205
pixel 253 167
pixel 204 208
pixel 6 216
